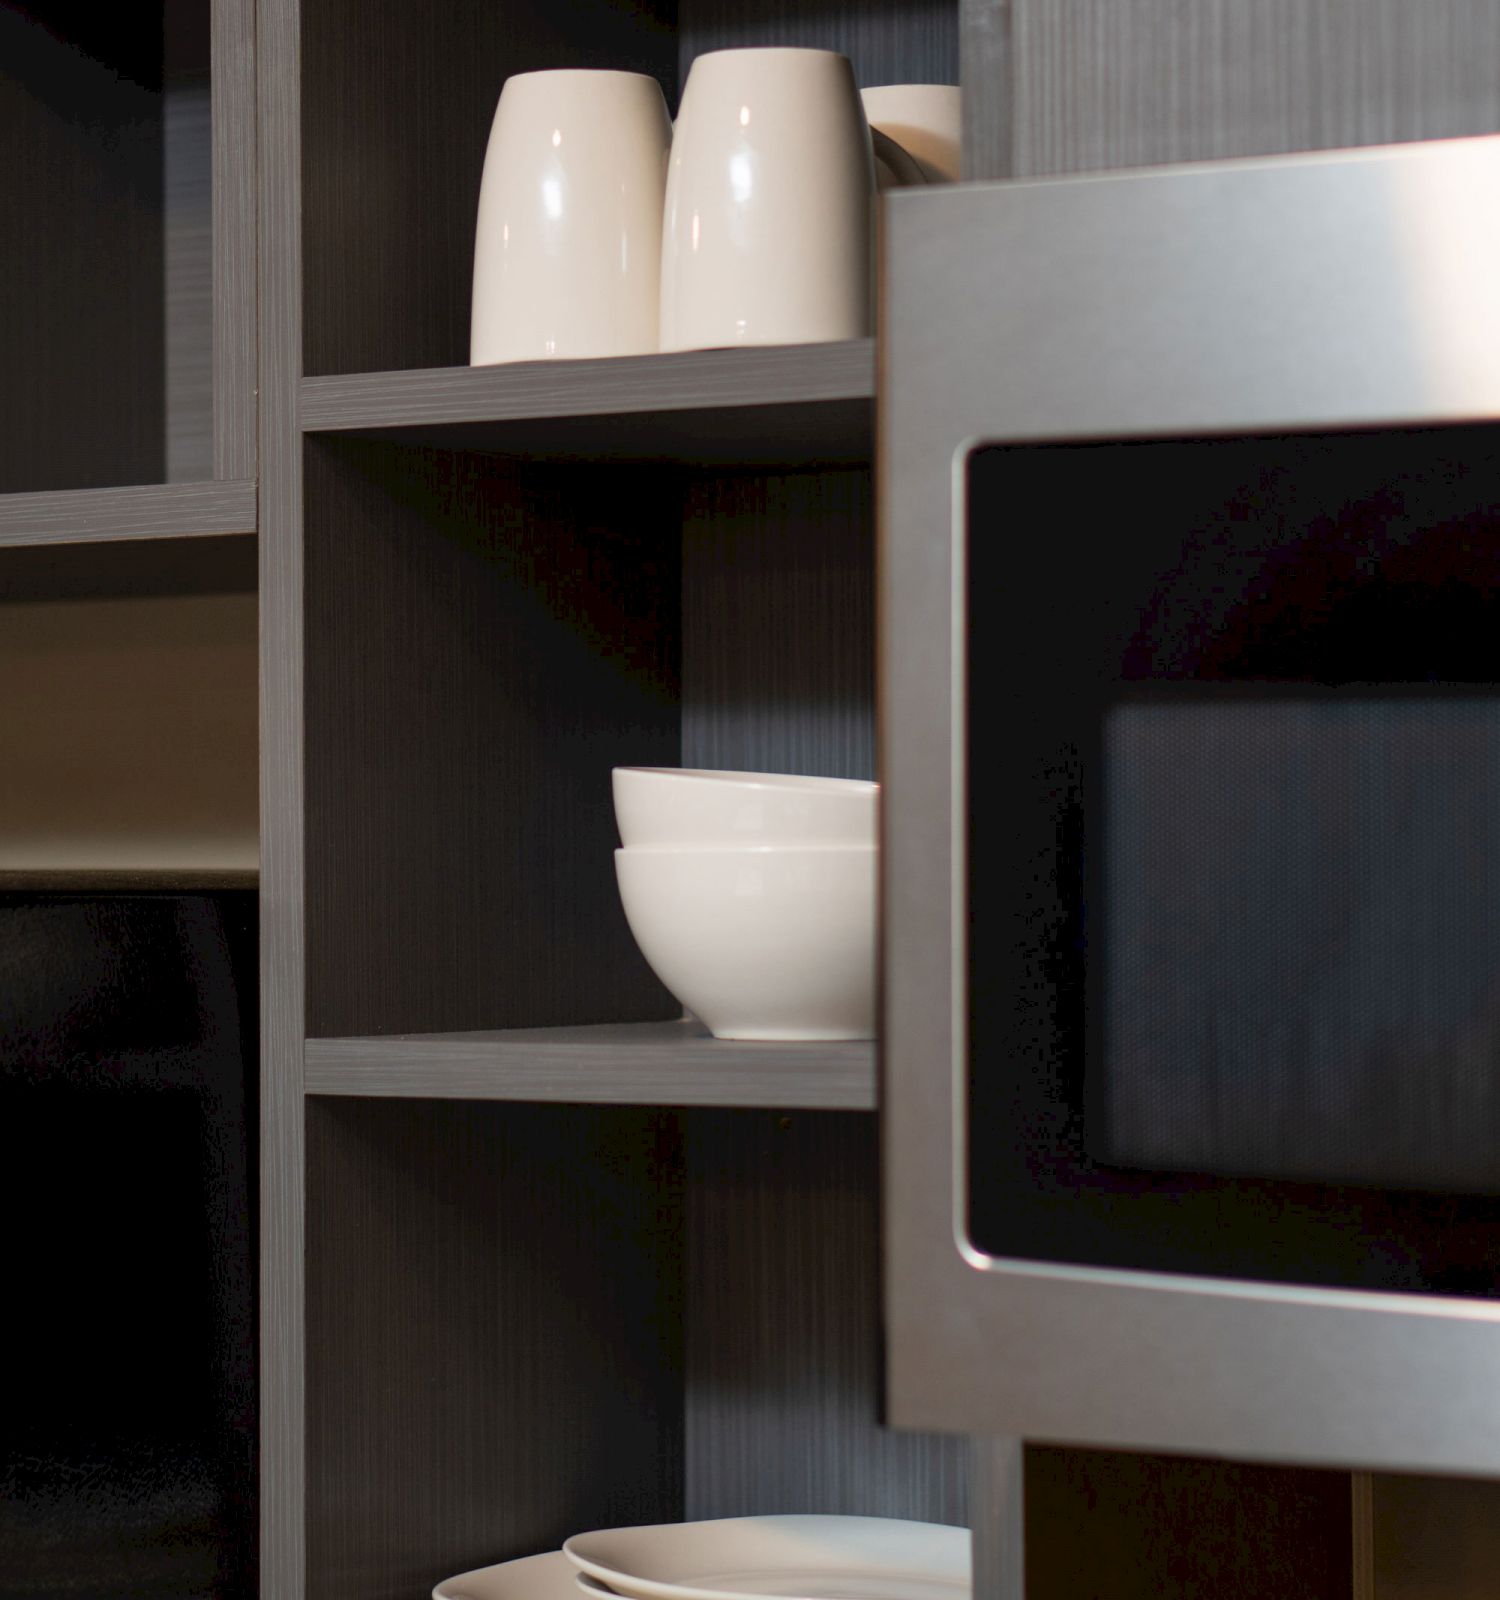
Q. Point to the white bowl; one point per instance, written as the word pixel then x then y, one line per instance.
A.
pixel 759 944
pixel 691 806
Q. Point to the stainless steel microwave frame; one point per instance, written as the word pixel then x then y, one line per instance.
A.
pixel 1347 290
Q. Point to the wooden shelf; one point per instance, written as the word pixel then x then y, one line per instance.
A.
pixel 158 511
pixel 636 1063
pixel 794 402
pixel 123 880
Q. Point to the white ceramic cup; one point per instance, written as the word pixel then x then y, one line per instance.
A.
pixel 925 120
pixel 567 256
pixel 760 944
pixel 700 808
pixel 767 237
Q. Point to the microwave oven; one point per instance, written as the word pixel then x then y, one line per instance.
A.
pixel 1189 501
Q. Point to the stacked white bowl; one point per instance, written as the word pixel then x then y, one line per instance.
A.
pixel 752 895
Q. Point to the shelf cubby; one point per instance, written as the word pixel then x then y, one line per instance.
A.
pixel 140 512
pixel 636 1063
pixel 490 636
pixel 397 105
pixel 127 286
pixel 130 709
pixel 524 1321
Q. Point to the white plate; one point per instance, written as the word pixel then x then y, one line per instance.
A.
pixel 548 1577
pixel 792 1557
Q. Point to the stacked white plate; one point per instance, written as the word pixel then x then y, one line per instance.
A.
pixel 752 895
pixel 791 1557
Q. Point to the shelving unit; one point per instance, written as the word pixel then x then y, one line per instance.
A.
pixel 535 1253
pixel 654 1253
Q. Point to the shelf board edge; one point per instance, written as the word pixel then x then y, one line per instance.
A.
pixel 671 1063
pixel 210 507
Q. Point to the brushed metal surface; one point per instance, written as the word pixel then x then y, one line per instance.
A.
pixel 162 511
pixel 1306 293
pixel 631 1063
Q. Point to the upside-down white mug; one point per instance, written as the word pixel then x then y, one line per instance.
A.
pixel 924 120
pixel 567 255
pixel 767 237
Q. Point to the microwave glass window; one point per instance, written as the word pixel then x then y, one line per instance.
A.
pixel 1233 760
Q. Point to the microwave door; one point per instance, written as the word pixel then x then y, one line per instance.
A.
pixel 1190 573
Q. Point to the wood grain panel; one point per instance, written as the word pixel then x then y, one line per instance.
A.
pixel 278 350
pixel 1105 1526
pixel 398 105
pixel 630 1063
pixel 81 256
pixel 889 41
pixel 70 516
pixel 494 1335
pixel 778 623
pixel 1121 83
pixel 985 75
pixel 487 641
pixel 682 380
pixel 233 222
pixel 783 1346
pixel 187 201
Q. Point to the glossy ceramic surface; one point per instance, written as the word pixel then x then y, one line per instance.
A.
pixel 545 1577
pixel 690 806
pixel 925 120
pixel 767 233
pixel 567 253
pixel 760 944
pixel 810 1557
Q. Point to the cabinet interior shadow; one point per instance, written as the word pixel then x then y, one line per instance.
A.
pixel 106 314
pixel 525 1321
pixel 127 1155
pixel 488 638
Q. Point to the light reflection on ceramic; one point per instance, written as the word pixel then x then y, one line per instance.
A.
pixel 767 238
pixel 568 247
pixel 924 120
